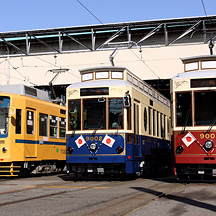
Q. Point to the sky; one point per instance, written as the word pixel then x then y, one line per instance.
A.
pixel 18 15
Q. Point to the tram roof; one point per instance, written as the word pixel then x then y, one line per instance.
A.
pixel 99 83
pixel 196 74
pixel 198 58
pixel 103 68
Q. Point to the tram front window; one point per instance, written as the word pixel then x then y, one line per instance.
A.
pixel 115 113
pixel 4 117
pixel 74 115
pixel 183 109
pixel 94 114
pixel 205 108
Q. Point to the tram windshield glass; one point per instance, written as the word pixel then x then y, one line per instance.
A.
pixel 4 115
pixel 183 109
pixel 4 120
pixel 205 108
pixel 74 115
pixel 96 113
pixel 115 113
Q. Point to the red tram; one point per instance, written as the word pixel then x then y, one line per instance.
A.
pixel 194 119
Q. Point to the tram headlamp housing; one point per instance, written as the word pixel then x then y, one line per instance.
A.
pixel 119 149
pixel 70 150
pixel 179 149
pixel 208 145
pixel 93 146
pixel 4 149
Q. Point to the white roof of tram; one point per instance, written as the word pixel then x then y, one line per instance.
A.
pixel 196 74
pixel 100 83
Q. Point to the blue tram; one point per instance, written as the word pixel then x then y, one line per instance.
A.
pixel 116 124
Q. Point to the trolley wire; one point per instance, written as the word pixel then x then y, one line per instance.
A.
pixel 204 7
pixel 90 12
pixel 26 78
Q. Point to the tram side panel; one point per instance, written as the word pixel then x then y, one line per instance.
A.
pixel 23 143
pixel 154 136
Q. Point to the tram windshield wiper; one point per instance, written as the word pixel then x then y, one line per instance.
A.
pixel 210 127
pixel 99 124
pixel 186 121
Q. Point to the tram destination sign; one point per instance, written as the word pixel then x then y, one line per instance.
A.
pixel 94 91
pixel 208 82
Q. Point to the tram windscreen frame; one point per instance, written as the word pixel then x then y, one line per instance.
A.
pixel 96 113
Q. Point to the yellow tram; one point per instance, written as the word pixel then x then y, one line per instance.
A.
pixel 32 131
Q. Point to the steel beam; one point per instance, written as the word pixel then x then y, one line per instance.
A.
pixel 15 47
pixel 28 44
pixel 93 37
pixel 186 32
pixel 60 41
pixel 112 37
pixel 156 29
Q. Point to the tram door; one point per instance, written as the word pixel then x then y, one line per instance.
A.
pixel 136 130
pixel 30 141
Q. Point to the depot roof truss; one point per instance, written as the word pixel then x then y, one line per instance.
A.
pixel 114 35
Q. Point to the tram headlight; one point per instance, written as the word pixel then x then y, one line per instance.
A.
pixel 179 149
pixel 4 149
pixel 70 150
pixel 208 145
pixel 119 149
pixel 93 146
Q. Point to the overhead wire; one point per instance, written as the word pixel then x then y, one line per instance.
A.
pixel 204 7
pixel 90 12
pixel 26 79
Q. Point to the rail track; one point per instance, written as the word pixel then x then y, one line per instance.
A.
pixel 54 195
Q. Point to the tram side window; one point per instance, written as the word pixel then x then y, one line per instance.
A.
pixel 74 115
pixel 154 112
pixel 158 127
pixel 54 126
pixel 164 126
pixel 18 121
pixel 30 122
pixel 150 129
pixel 62 128
pixel 168 127
pixel 43 124
pixel 183 109
pixel 115 113
pixel 145 119
pixel 161 124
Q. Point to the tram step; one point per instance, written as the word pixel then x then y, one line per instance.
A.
pixel 9 171
pixel 10 167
